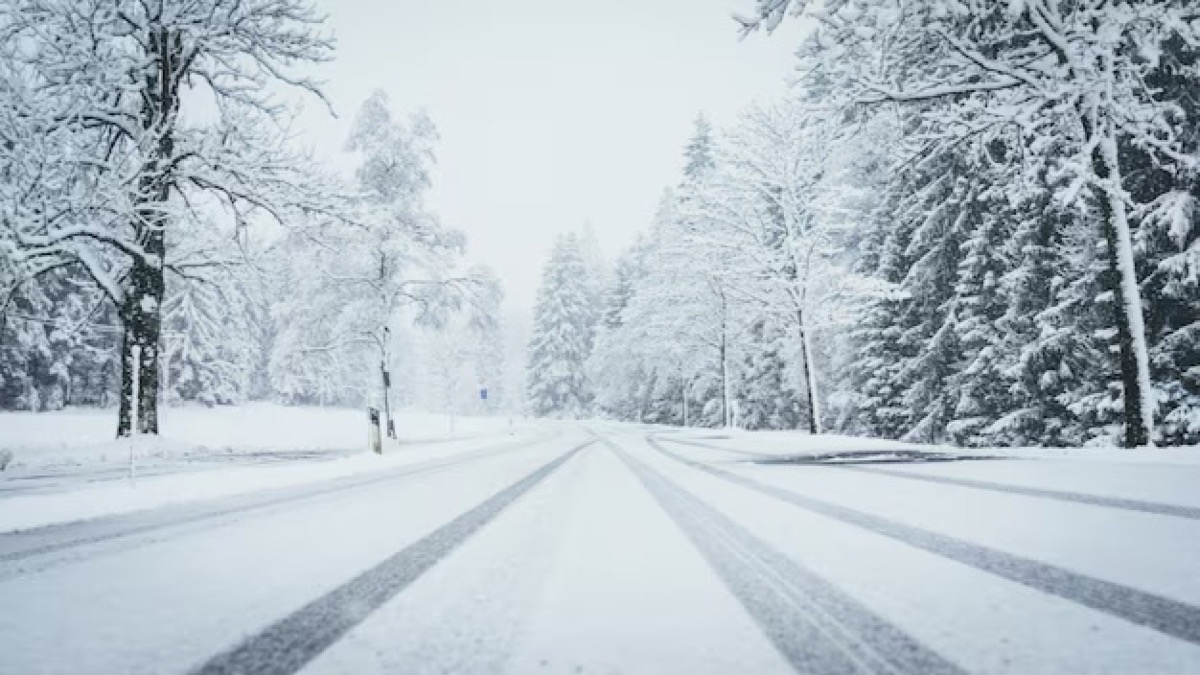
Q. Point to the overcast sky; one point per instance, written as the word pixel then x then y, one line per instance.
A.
pixel 550 112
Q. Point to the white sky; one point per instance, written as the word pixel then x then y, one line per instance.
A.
pixel 550 112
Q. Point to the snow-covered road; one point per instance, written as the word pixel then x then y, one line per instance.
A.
pixel 612 548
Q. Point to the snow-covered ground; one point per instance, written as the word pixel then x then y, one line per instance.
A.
pixel 801 444
pixel 605 547
pixel 83 436
pixel 67 466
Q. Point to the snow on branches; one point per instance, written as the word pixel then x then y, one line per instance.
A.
pixel 1082 89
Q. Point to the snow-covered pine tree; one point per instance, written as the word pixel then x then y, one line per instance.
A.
pixel 58 339
pixel 711 305
pixel 1073 72
pixel 1079 357
pixel 941 210
pixel 766 395
pixel 873 371
pixel 698 153
pixel 598 277
pixel 979 303
pixel 558 349
pixel 935 212
pixel 628 271
pixel 1050 355
pixel 208 354
pixel 1169 240
pixel 618 379
pixel 1167 245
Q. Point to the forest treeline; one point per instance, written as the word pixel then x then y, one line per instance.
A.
pixel 970 222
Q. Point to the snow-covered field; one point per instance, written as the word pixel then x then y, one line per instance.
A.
pixel 80 436
pixel 66 465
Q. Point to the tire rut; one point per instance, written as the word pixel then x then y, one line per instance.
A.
pixel 1170 617
pixel 1156 508
pixel 815 626
pixel 287 645
pixel 17 547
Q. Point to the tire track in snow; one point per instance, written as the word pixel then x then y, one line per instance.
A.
pixel 1157 508
pixel 814 625
pixel 709 446
pixel 16 547
pixel 1059 495
pixel 1171 617
pixel 290 643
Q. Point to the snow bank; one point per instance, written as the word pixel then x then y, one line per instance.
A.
pixel 66 465
pixel 799 444
pixel 84 436
pixel 787 443
pixel 93 500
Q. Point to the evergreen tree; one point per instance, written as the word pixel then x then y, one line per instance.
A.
pixel 207 343
pixel 58 338
pixel 1168 248
pixel 617 392
pixel 1093 85
pixel 557 383
pixel 766 397
pixel 978 386
pixel 698 153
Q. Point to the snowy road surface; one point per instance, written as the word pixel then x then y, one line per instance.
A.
pixel 616 549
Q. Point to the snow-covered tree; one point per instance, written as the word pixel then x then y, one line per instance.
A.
pixel 615 373
pixel 979 303
pixel 107 154
pixel 698 153
pixel 563 322
pixel 58 339
pixel 353 277
pixel 207 352
pixel 766 398
pixel 664 351
pixel 783 227
pixel 676 341
pixel 1065 75
pixel 597 273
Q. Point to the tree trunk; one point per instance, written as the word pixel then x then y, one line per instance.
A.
pixel 141 310
pixel 647 394
pixel 164 373
pixel 799 293
pixel 684 392
pixel 725 412
pixel 726 393
pixel 1131 331
pixel 143 325
pixel 810 378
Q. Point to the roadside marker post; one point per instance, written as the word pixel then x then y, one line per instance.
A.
pixel 374 438
pixel 134 403
pixel 387 381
